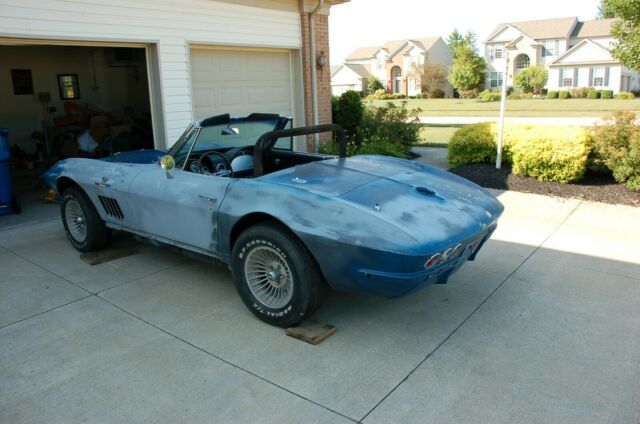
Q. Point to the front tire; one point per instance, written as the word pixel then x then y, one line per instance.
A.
pixel 82 223
pixel 275 275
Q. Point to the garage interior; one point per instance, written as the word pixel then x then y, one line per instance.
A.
pixel 62 101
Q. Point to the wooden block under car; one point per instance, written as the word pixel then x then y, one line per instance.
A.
pixel 106 255
pixel 311 332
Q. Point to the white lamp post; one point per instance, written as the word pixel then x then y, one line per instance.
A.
pixel 503 103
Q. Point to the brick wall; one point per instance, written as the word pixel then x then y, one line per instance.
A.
pixel 322 73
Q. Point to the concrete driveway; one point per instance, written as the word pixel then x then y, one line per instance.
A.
pixel 543 327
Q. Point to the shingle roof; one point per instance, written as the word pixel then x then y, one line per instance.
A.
pixel 594 28
pixel 361 70
pixel 363 53
pixel 391 46
pixel 546 28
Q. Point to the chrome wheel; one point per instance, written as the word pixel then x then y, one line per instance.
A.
pixel 76 222
pixel 269 277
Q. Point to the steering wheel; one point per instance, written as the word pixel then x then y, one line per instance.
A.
pixel 224 167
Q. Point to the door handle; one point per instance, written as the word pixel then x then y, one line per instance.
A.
pixel 212 200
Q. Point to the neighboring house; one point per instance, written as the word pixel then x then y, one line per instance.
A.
pixel 191 59
pixel 576 54
pixel 392 63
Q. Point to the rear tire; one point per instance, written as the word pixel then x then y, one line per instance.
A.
pixel 275 275
pixel 85 229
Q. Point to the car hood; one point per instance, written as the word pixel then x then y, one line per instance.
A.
pixel 428 204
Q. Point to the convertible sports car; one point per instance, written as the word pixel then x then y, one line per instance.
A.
pixel 288 224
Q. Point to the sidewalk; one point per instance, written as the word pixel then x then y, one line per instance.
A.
pixel 462 120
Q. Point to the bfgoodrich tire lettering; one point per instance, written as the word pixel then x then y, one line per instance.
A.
pixel 82 223
pixel 275 275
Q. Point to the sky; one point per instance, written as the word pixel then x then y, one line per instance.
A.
pixel 372 22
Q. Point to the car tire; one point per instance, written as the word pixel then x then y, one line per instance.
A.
pixel 275 275
pixel 85 229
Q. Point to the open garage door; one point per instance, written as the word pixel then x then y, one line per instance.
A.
pixel 241 81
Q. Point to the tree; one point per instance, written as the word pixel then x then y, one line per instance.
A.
pixel 468 71
pixel 532 80
pixel 457 41
pixel 433 78
pixel 349 114
pixel 626 32
pixel 373 84
pixel 604 10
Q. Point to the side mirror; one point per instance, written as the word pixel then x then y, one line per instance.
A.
pixel 167 163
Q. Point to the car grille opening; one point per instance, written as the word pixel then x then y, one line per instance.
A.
pixel 111 207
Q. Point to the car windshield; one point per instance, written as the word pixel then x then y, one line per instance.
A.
pixel 237 133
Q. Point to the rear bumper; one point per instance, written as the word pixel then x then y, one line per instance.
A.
pixel 394 284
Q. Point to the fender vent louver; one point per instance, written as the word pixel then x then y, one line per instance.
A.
pixel 111 207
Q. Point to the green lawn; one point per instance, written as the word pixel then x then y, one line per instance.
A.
pixel 436 136
pixel 528 107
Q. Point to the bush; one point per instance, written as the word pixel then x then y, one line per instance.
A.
pixel 532 79
pixel 374 84
pixel 635 93
pixel 564 95
pixel 435 93
pixel 623 95
pixel 617 145
pixel 579 93
pixel 489 96
pixel 349 113
pixel 399 96
pixel 516 95
pixel 593 94
pixel 545 152
pixel 606 94
pixel 473 143
pixel 552 95
pixel 389 130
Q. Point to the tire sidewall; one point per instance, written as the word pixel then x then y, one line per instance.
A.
pixel 295 310
pixel 73 194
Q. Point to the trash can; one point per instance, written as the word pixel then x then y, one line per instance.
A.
pixel 7 201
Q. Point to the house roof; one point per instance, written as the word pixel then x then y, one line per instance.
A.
pixel 594 28
pixel 559 59
pixel 363 53
pixel 361 70
pixel 391 46
pixel 546 28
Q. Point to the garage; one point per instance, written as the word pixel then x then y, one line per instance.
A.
pixel 240 81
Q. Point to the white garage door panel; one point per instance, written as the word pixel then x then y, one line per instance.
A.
pixel 241 82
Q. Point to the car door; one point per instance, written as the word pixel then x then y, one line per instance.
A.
pixel 179 206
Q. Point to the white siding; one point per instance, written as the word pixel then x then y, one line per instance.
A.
pixel 172 25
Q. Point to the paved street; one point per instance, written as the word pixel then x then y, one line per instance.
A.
pixel 543 328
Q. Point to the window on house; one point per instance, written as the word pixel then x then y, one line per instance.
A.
pixel 495 79
pixel 522 62
pixel 380 64
pixel 549 48
pixel 567 82
pixel 498 52
pixel 598 76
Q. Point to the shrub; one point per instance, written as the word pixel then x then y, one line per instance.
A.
pixel 516 95
pixel 489 96
pixel 545 152
pixel 564 95
pixel 435 93
pixel 579 93
pixel 389 130
pixel 635 93
pixel 593 94
pixel 617 145
pixel 374 84
pixel 473 143
pixel 606 94
pixel 399 96
pixel 532 79
pixel 349 113
pixel 552 95
pixel 623 95
pixel 469 94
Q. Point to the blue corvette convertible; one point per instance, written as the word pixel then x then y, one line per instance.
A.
pixel 288 224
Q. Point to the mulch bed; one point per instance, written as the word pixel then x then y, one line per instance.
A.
pixel 596 187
